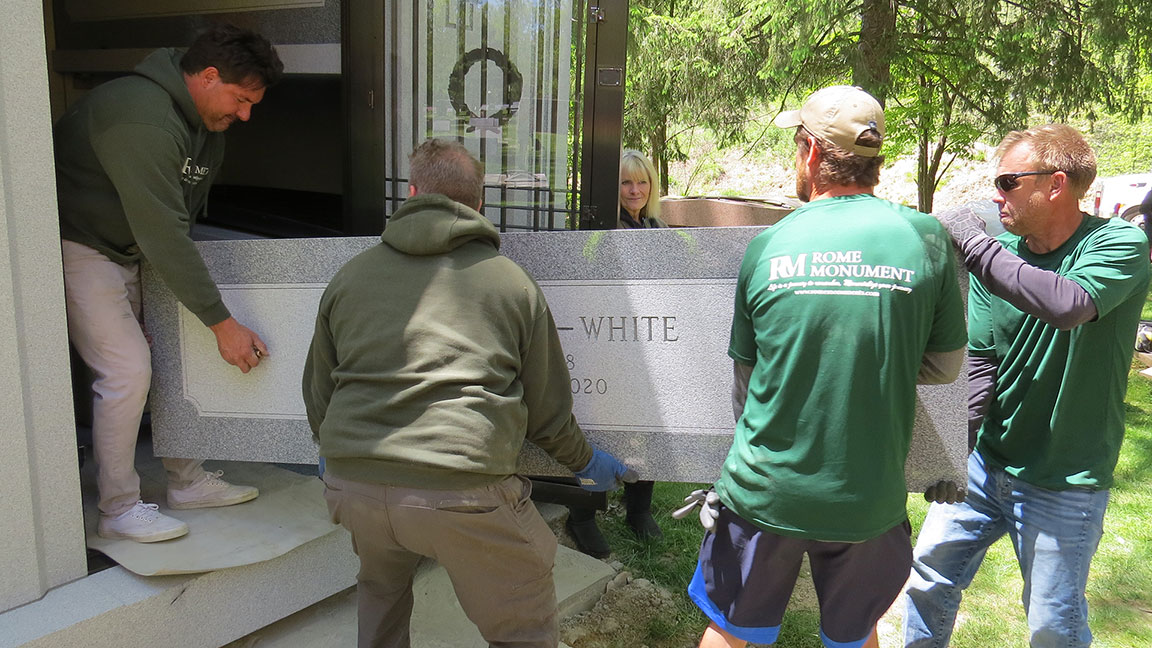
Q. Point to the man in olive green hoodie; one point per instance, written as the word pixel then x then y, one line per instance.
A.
pixel 434 358
pixel 134 161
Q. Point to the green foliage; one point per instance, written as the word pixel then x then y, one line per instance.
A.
pixel 705 171
pixel 664 90
pixel 699 63
pixel 1121 146
pixel 963 71
pixel 951 73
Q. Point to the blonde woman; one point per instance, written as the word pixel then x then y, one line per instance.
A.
pixel 639 208
pixel 639 192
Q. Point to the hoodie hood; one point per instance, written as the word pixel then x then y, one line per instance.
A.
pixel 434 224
pixel 163 68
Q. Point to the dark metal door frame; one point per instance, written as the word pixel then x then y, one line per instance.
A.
pixel 604 82
pixel 362 71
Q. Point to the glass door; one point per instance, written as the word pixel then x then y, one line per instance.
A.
pixel 504 77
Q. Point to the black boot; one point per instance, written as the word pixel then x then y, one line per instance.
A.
pixel 638 511
pixel 581 525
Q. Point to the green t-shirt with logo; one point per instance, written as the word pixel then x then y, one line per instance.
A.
pixel 835 307
pixel 1057 417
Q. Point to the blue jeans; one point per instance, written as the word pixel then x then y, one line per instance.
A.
pixel 1054 533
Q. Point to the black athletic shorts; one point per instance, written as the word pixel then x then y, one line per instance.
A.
pixel 745 577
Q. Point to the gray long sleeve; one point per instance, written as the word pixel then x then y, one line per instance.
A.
pixel 741 375
pixel 981 388
pixel 940 367
pixel 1061 302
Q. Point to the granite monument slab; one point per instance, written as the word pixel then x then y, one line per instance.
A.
pixel 643 315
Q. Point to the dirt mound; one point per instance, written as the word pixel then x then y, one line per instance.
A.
pixel 628 614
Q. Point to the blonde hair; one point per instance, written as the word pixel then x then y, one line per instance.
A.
pixel 1056 147
pixel 635 165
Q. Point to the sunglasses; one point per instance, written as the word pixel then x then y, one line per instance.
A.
pixel 1008 181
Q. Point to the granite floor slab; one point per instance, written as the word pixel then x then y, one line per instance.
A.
pixel 289 512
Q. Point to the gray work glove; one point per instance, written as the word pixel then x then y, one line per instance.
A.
pixel 1144 338
pixel 945 491
pixel 709 503
pixel 962 223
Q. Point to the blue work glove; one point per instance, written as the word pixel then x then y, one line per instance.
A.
pixel 962 223
pixel 604 472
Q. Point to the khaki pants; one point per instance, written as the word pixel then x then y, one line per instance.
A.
pixel 496 548
pixel 104 310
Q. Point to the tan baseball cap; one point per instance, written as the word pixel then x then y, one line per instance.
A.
pixel 839 114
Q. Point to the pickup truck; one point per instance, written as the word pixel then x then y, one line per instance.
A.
pixel 1121 196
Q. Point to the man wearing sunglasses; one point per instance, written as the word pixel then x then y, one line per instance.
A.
pixel 1052 309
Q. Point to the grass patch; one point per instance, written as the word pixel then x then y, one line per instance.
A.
pixel 1119 587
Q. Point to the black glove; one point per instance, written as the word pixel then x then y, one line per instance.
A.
pixel 945 491
pixel 962 223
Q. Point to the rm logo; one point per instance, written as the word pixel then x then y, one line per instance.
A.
pixel 192 174
pixel 784 267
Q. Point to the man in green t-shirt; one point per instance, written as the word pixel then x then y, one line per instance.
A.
pixel 841 308
pixel 1053 306
pixel 134 160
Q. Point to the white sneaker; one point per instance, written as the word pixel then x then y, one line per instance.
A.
pixel 142 523
pixel 210 491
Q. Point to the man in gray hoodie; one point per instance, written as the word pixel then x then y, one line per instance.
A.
pixel 433 359
pixel 134 160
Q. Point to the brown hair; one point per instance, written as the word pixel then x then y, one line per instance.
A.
pixel 1056 147
pixel 446 167
pixel 840 167
pixel 242 56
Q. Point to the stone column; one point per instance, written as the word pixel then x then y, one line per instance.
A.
pixel 41 524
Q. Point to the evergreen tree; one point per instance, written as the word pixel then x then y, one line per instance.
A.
pixel 949 72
